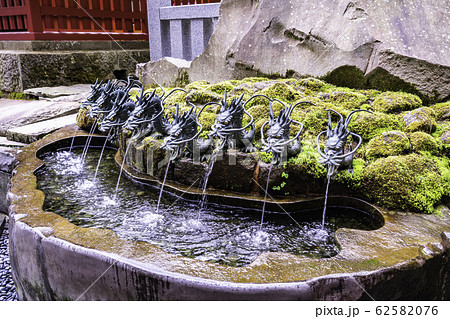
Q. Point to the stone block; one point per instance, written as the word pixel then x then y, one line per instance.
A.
pixel 32 132
pixel 167 72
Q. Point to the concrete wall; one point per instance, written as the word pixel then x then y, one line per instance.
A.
pixel 180 31
pixel 30 64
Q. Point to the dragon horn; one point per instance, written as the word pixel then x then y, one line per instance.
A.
pixel 174 90
pixel 271 115
pixel 240 98
pixel 329 115
pixel 349 117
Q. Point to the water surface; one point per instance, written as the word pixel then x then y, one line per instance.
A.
pixel 221 234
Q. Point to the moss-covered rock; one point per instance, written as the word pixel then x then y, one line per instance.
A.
pixel 369 125
pixel 412 182
pixel 313 83
pixel 387 144
pixel 202 96
pixel 442 110
pixel 349 100
pixel 421 119
pixel 423 142
pixel 395 102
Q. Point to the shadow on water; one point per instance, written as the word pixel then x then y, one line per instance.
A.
pixel 222 234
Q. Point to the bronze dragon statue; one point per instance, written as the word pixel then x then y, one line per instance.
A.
pixel 334 155
pixel 278 140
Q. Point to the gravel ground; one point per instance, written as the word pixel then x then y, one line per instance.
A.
pixel 7 288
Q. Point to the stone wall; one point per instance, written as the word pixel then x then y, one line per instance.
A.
pixel 29 64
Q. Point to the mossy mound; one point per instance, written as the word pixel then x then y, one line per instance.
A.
pixel 350 100
pixel 312 83
pixel 369 125
pixel 395 102
pixel 421 119
pixel 423 142
pixel 442 110
pixel 412 182
pixel 387 144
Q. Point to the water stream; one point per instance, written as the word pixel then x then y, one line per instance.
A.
pixel 101 154
pixel 209 169
pixel 265 197
pixel 163 183
pixel 88 140
pixel 121 170
pixel 325 203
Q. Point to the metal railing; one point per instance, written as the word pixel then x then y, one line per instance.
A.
pixel 73 20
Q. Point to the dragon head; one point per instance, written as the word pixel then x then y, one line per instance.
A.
pixel 229 117
pixel 336 140
pixel 94 95
pixel 278 133
pixel 119 113
pixel 183 129
pixel 148 106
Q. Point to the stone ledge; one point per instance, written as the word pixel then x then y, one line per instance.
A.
pixel 33 132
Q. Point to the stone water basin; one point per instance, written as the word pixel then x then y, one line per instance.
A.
pixel 53 259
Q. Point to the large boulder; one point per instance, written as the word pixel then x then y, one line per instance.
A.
pixel 390 45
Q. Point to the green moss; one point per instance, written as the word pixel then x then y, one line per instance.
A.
pixel 421 119
pixel 254 79
pixel 313 83
pixel 17 96
pixel 279 90
pixel 207 120
pixel 442 110
pixel 369 125
pixel 395 102
pixel 202 96
pixel 387 144
pixel 423 142
pixel 412 182
pixel 198 85
pixel 220 88
pixel 265 157
pixel 443 164
pixel 345 100
pixel 352 179
pixel 308 159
